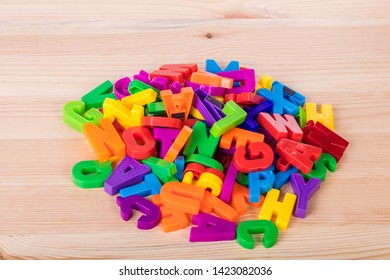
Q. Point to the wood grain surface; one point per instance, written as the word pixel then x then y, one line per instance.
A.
pixel 51 52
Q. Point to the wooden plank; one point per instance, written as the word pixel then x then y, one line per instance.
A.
pixel 190 10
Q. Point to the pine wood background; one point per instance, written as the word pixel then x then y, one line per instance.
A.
pixel 51 52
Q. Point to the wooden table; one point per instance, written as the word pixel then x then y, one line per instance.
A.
pixel 51 52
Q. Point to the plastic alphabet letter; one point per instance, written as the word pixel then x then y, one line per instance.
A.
pixel 75 116
pixel 298 154
pixel 178 105
pixel 178 144
pixel 210 79
pixel 163 169
pixel 121 87
pixel 150 186
pixel 325 116
pixel 250 122
pixel 227 187
pixel 282 210
pixel 128 172
pixel 171 220
pixel 142 98
pixel 260 157
pixel 235 115
pixel 105 140
pixel 241 137
pixel 320 167
pixel 115 110
pixel 280 104
pixel 91 173
pixel 175 72
pixel 96 97
pixel 137 86
pixel 281 126
pixel 139 141
pixel 211 228
pixel 182 197
pixel 200 142
pixel 291 95
pixel 259 183
pixel 245 77
pixel 319 135
pixel 304 192
pixel 240 199
pixel 246 229
pixel 165 136
pixel 219 207
pixel 151 212
pixel 213 67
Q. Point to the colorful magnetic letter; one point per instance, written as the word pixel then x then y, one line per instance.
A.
pixel 156 109
pixel 163 169
pixel 175 72
pixel 282 210
pixel 142 98
pixel 246 229
pixel 281 126
pixel 139 141
pixel 105 141
pixel 178 144
pixel 245 77
pixel 265 81
pixel 171 219
pixel 178 105
pixel 208 106
pixel 210 181
pixel 160 83
pixel 143 76
pixel 75 116
pixel 235 115
pixel 200 142
pixel 210 79
pixel 280 104
pixel 179 162
pixel 95 98
pixel 150 186
pixel 304 192
pixel 291 95
pixel 259 183
pixel 213 67
pixel 319 135
pixel 115 110
pixel 325 117
pixel 128 172
pixel 210 162
pixel 250 122
pixel 211 228
pixel 320 167
pixel 239 136
pixel 212 203
pixel 165 136
pixel 244 98
pixel 298 154
pixel 228 184
pixel 182 197
pixel 121 87
pixel 162 122
pixel 91 173
pixel 240 199
pixel 260 157
pixel 301 117
pixel 151 212
pixel 137 86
